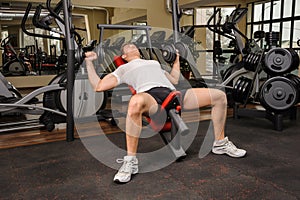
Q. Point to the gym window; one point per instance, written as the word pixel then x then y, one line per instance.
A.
pixel 276 15
pixel 4 34
pixel 205 38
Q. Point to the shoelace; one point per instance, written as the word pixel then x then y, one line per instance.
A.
pixel 231 145
pixel 126 167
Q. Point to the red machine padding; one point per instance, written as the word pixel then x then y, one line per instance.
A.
pixel 46 65
pixel 169 98
pixel 118 60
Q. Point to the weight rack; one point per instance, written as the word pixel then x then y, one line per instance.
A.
pixel 275 118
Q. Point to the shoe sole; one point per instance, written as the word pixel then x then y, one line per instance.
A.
pixel 120 182
pixel 233 156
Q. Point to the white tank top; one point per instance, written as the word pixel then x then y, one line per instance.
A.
pixel 142 75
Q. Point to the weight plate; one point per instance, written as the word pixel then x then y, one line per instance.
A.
pixel 296 81
pixel 251 61
pixel 169 53
pixel 278 94
pixel 79 56
pixel 86 101
pixel 182 48
pixel 235 90
pixel 246 90
pixel 256 59
pixel 240 90
pixel 16 68
pixel 279 61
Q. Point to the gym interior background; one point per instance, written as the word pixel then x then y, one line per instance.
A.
pixel 267 34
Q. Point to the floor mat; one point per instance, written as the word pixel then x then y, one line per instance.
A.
pixel 67 170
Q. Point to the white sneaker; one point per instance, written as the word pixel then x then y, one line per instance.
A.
pixel 129 167
pixel 227 147
pixel 32 73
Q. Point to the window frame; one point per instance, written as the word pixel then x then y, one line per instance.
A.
pixel 281 20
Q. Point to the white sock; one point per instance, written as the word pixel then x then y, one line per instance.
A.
pixel 130 157
pixel 221 142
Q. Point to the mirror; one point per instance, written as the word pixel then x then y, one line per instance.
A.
pixel 11 15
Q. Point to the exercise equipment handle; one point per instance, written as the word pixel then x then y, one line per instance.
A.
pixel 6 41
pixel 46 21
pixel 215 29
pixel 36 19
pixel 56 10
pixel 23 26
pixel 178 122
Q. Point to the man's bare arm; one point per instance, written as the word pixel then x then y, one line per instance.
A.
pixel 107 83
pixel 174 75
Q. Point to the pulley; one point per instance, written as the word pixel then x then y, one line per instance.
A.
pixel 278 94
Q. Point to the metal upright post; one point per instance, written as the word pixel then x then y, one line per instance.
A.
pixel 70 68
pixel 175 17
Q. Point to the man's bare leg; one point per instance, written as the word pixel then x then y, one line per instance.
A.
pixel 201 97
pixel 139 104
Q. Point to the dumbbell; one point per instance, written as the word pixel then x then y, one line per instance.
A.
pixel 80 51
pixel 169 51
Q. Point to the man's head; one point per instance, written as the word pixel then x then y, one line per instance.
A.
pixel 130 51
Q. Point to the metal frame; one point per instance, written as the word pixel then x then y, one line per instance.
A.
pixel 215 71
pixel 102 27
pixel 280 20
pixel 70 41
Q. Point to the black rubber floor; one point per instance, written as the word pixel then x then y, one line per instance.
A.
pixel 66 170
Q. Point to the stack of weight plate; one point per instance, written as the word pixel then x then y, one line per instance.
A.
pixel 281 91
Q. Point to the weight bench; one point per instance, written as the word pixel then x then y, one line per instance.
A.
pixel 174 126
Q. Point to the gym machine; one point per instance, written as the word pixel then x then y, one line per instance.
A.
pixel 277 92
pixel 59 104
pixel 173 127
pixel 13 63
pixel 181 40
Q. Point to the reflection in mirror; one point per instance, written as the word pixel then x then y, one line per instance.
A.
pixel 38 51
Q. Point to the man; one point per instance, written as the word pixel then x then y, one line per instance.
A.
pixel 152 85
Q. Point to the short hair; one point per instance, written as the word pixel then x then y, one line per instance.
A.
pixel 126 44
